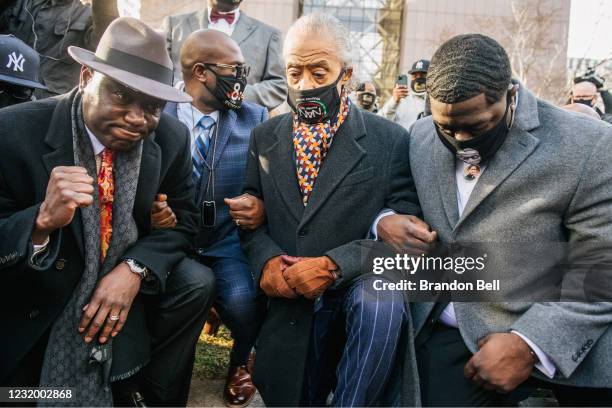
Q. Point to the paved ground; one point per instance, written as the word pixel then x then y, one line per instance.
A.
pixel 209 393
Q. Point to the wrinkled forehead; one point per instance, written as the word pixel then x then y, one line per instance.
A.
pixel 302 49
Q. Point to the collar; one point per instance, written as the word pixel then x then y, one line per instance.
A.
pixel 191 116
pixel 235 12
pixel 95 143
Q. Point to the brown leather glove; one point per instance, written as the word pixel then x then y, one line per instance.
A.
pixel 273 282
pixel 311 276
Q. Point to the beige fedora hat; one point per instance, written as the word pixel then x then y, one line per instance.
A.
pixel 135 55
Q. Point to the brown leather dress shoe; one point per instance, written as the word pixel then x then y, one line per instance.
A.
pixel 239 388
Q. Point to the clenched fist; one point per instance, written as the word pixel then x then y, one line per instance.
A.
pixel 69 188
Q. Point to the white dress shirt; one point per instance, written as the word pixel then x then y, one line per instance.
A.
pixel 222 24
pixel 448 317
pixel 190 116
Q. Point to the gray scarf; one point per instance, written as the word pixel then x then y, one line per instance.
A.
pixel 69 361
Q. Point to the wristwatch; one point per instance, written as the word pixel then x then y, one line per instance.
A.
pixel 137 268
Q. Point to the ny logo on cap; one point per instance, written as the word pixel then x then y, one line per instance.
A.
pixel 419 65
pixel 16 62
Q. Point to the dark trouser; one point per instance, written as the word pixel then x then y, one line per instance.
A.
pixel 239 304
pixel 441 359
pixel 174 319
pixel 354 345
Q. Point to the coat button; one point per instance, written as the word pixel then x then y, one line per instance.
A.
pixel 303 233
pixel 292 322
pixel 60 264
pixel 34 313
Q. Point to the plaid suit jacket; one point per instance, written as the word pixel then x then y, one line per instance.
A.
pixel 229 172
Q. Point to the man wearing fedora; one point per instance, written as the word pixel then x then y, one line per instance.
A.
pixel 18 71
pixel 259 42
pixel 87 300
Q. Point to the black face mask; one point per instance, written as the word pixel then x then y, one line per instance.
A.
pixel 587 102
pixel 480 148
pixel 315 105
pixel 366 100
pixel 418 85
pixel 229 91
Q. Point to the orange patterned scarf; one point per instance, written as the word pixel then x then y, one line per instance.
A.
pixel 311 143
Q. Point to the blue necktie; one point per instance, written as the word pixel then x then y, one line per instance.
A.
pixel 202 141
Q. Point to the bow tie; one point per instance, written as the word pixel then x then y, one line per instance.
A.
pixel 216 16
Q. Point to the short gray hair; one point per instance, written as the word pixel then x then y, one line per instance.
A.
pixel 317 23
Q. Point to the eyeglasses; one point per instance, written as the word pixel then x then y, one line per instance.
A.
pixel 239 71
pixel 18 92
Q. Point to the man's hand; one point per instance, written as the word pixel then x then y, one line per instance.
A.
pixel 399 92
pixel 311 276
pixel 247 211
pixel 273 282
pixel 69 188
pixel 503 362
pixel 406 233
pixel 162 216
pixel 112 297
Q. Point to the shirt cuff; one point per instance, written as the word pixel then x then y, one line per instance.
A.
pixel 373 229
pixel 545 365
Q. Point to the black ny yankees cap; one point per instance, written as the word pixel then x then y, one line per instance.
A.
pixel 19 63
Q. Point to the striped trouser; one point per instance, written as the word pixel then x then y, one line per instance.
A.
pixel 354 345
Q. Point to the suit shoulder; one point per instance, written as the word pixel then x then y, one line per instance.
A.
pixel 263 26
pixel 377 124
pixel 22 122
pixel 570 129
pixel 252 108
pixel 171 131
pixel 178 18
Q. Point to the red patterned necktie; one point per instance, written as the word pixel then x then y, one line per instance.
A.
pixel 311 143
pixel 106 192
pixel 216 16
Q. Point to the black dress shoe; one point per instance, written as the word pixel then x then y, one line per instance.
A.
pixel 133 399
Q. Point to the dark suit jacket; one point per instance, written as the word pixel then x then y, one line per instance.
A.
pixel 230 166
pixel 366 169
pixel 34 138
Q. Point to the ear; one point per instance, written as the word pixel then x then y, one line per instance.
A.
pixel 85 77
pixel 199 72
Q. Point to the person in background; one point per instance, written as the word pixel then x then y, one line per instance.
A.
pixel 220 124
pixel 365 96
pixel 50 27
pixel 407 105
pixel 591 76
pixel 18 71
pixel 259 42
pixel 586 93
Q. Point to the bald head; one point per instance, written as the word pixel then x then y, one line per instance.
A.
pixel 581 108
pixel 208 46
